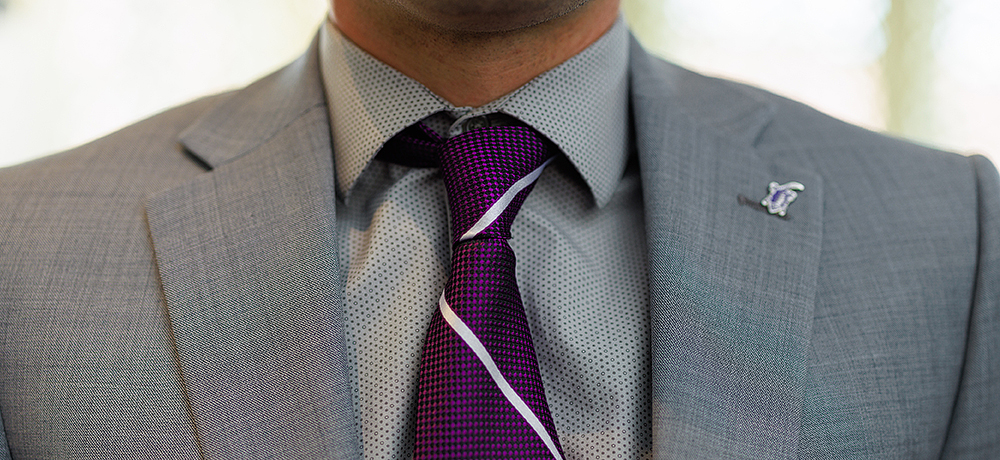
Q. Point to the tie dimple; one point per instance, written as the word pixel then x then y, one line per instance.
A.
pixel 480 392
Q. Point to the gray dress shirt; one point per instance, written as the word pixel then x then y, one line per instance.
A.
pixel 579 240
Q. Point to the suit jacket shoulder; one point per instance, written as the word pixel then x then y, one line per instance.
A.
pixel 86 355
pixel 163 288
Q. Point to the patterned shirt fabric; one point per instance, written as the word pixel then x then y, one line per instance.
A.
pixel 578 239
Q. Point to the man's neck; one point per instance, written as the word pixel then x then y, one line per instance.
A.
pixel 470 68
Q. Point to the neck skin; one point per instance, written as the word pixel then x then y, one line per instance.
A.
pixel 470 69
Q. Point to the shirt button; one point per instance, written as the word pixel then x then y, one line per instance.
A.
pixel 476 123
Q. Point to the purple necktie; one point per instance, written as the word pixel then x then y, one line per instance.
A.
pixel 480 393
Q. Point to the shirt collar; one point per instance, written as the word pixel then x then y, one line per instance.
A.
pixel 581 105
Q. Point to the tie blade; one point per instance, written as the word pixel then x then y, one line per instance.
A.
pixel 499 399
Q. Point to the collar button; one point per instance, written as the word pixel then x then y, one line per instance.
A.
pixel 476 123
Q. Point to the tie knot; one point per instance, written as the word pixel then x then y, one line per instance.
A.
pixel 488 172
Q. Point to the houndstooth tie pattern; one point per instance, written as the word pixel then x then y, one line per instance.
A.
pixel 480 393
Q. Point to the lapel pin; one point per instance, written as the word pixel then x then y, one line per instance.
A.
pixel 779 196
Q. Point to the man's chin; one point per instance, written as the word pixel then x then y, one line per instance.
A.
pixel 488 16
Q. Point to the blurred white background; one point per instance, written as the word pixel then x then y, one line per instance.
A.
pixel 73 71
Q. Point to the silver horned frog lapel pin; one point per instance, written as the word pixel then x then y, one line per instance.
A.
pixel 779 196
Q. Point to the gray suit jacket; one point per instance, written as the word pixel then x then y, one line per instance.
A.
pixel 172 290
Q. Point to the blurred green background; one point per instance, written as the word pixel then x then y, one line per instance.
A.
pixel 927 70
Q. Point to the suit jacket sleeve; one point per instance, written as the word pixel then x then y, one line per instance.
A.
pixel 974 431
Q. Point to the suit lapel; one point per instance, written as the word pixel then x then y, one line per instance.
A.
pixel 247 255
pixel 732 287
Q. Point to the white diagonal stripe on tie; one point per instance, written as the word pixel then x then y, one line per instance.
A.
pixel 483 354
pixel 501 204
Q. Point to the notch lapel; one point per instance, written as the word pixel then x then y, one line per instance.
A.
pixel 247 255
pixel 732 287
